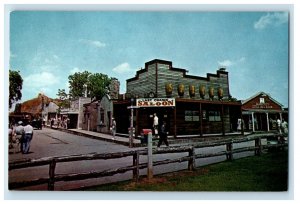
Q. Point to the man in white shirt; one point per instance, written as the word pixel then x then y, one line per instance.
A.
pixel 279 125
pixel 28 133
pixel 155 125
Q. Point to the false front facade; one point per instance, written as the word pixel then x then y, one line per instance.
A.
pixel 190 105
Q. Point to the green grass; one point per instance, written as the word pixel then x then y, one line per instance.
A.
pixel 268 172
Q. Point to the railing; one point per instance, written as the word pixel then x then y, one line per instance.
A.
pixel 136 165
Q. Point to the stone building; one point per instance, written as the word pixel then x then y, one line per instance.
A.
pixel 97 115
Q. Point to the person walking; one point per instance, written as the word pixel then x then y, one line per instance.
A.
pixel 20 135
pixel 11 135
pixel 28 134
pixel 284 126
pixel 279 125
pixel 113 128
pixel 163 136
pixel 155 125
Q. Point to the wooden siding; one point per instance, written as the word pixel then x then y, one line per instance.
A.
pixel 145 81
pixel 268 104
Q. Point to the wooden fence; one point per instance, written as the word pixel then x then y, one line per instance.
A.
pixel 136 165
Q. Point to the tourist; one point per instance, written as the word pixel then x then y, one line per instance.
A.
pixel 28 134
pixel 113 128
pixel 163 136
pixel 155 125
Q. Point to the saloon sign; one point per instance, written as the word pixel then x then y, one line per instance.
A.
pixel 155 102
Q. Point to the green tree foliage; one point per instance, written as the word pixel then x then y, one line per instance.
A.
pixel 77 84
pixel 63 99
pixel 95 84
pixel 15 87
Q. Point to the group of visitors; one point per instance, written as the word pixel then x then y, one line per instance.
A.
pixel 21 135
pixel 59 123
pixel 282 126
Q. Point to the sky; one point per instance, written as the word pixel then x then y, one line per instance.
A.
pixel 47 47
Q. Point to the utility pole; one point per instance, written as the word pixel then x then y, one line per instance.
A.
pixel 131 129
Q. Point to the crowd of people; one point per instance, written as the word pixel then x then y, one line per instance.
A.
pixel 59 123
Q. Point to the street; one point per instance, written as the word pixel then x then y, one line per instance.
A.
pixel 49 142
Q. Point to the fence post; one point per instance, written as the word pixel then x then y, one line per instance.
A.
pixel 191 163
pixel 136 172
pixel 229 151
pixel 51 175
pixel 150 158
pixel 258 150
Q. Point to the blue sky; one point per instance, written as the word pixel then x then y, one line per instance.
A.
pixel 49 46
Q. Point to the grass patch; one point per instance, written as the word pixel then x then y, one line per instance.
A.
pixel 268 172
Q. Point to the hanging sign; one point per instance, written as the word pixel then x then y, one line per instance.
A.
pixel 155 102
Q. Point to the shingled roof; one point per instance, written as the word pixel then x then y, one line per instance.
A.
pixel 34 106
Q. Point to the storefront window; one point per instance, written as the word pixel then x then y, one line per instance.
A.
pixel 191 116
pixel 214 116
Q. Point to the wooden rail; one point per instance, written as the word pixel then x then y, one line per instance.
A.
pixel 136 165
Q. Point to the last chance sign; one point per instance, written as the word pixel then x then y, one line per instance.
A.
pixel 155 102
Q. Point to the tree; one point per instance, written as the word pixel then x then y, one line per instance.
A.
pixel 77 84
pixel 63 99
pixel 98 85
pixel 15 87
pixel 94 84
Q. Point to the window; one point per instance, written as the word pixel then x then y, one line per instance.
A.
pixel 261 100
pixel 214 116
pixel 191 116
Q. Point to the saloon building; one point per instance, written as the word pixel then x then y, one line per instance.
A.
pixel 190 105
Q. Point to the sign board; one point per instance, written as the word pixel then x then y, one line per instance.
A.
pixel 155 102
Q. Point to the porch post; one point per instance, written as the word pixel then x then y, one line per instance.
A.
pixel 268 125
pixel 137 121
pixel 201 125
pixel 175 122
pixel 222 118
pixel 242 128
pixel 280 115
pixel 253 124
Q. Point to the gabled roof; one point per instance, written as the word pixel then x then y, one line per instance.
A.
pixel 261 93
pixel 34 106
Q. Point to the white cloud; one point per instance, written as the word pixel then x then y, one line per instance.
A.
pixel 76 69
pixel 226 63
pixel 229 63
pixel 55 57
pixel 94 43
pixel 274 19
pixel 123 68
pixel 41 80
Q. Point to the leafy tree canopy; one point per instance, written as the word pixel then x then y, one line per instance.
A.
pixel 15 87
pixel 98 85
pixel 95 85
pixel 63 98
pixel 77 83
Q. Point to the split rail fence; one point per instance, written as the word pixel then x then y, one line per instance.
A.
pixel 136 165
